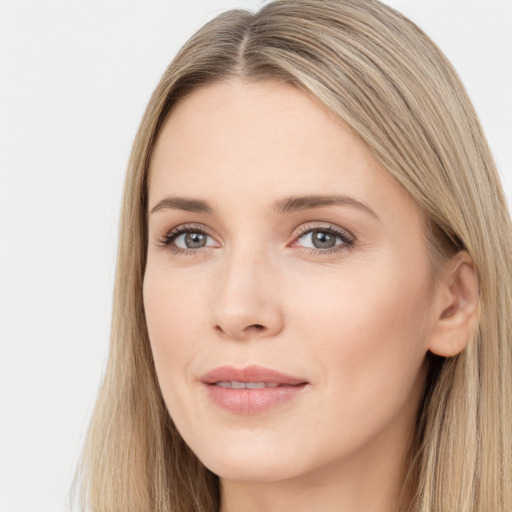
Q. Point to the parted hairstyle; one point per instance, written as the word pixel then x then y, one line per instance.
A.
pixel 385 79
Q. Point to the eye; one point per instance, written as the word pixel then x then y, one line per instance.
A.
pixel 321 239
pixel 187 239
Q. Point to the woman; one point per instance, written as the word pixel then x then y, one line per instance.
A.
pixel 312 304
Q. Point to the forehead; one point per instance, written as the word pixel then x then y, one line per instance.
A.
pixel 243 142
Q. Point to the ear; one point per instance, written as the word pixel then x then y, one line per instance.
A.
pixel 456 306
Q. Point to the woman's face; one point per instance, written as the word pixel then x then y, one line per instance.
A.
pixel 277 243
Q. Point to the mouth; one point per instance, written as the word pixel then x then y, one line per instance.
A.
pixel 251 390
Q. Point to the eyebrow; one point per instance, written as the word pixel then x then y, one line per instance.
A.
pixel 281 206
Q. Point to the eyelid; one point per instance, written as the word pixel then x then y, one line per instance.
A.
pixel 167 240
pixel 348 240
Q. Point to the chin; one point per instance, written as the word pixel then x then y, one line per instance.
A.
pixel 251 463
pixel 251 472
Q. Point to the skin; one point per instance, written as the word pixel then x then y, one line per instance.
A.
pixel 356 323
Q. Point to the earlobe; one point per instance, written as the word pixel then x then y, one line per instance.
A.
pixel 456 306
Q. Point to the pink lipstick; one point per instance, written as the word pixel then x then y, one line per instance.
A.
pixel 250 390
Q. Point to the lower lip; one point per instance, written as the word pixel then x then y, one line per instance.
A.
pixel 252 401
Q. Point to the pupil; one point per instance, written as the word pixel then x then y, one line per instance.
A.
pixel 323 240
pixel 194 240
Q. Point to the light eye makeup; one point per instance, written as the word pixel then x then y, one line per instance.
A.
pixel 314 239
pixel 187 239
pixel 323 239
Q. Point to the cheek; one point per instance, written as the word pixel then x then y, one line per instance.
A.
pixel 176 321
pixel 366 328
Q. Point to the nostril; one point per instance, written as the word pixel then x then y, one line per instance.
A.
pixel 242 332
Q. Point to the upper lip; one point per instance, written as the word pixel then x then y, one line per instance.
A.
pixel 249 374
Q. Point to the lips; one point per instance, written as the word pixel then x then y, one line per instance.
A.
pixel 250 390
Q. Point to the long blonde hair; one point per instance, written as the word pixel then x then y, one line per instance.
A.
pixel 385 78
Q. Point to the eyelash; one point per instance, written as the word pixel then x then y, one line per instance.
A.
pixel 348 241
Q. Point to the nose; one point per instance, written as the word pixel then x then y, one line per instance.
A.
pixel 247 300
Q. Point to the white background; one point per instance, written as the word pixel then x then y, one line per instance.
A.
pixel 75 77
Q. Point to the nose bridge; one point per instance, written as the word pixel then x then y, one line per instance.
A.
pixel 246 302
